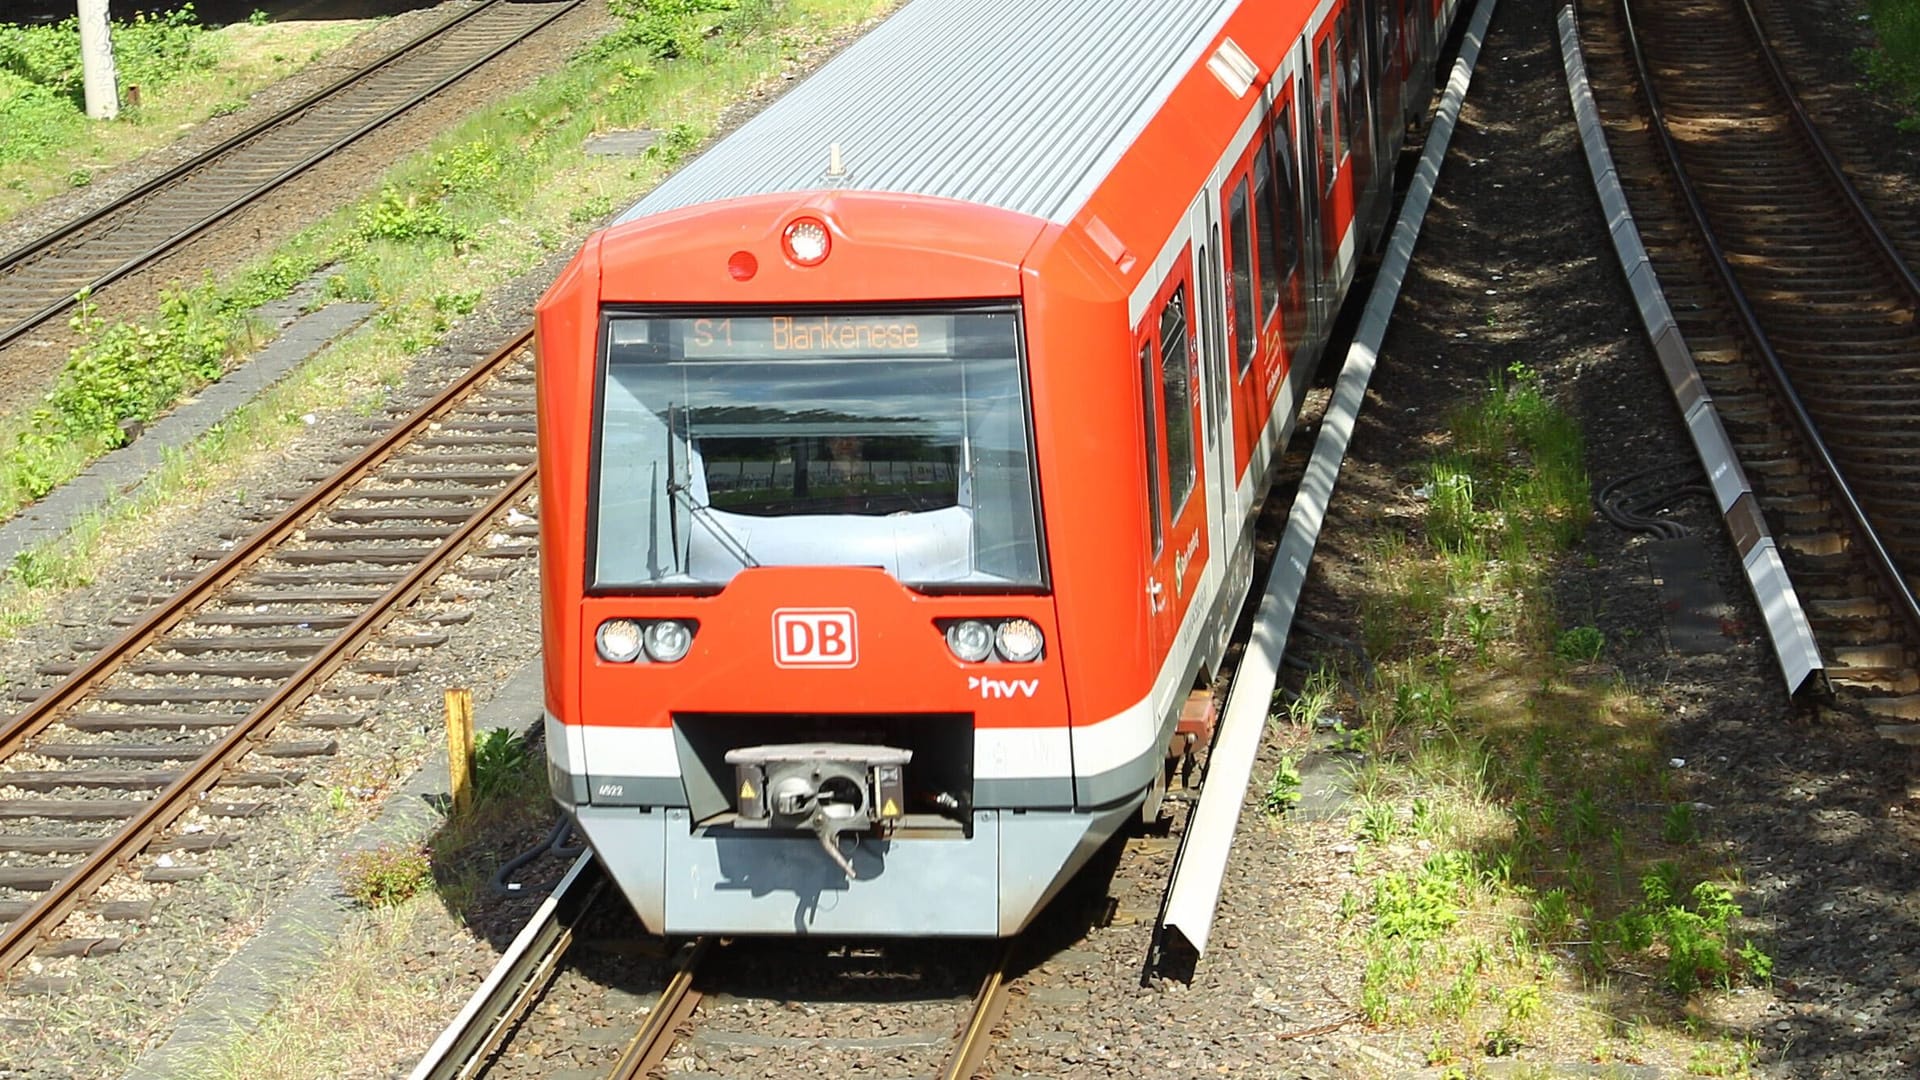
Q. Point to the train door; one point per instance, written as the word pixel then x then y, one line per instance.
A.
pixel 1171 396
pixel 1212 365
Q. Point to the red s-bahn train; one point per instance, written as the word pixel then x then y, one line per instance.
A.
pixel 899 455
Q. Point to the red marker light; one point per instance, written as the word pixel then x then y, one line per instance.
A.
pixel 743 266
pixel 806 241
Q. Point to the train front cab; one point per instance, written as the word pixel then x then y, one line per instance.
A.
pixel 807 671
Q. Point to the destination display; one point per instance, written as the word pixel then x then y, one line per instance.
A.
pixel 827 337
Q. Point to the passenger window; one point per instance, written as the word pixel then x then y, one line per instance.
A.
pixel 1239 255
pixel 1329 138
pixel 1149 390
pixel 1286 194
pixel 1177 393
pixel 1350 75
pixel 1270 220
pixel 1343 104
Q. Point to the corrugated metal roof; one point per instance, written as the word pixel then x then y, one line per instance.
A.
pixel 1016 104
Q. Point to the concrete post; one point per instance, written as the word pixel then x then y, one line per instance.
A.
pixel 96 61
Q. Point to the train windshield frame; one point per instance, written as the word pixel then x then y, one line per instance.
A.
pixel 899 437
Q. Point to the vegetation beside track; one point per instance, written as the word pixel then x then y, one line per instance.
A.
pixel 1530 874
pixel 1894 67
pixel 186 72
pixel 487 201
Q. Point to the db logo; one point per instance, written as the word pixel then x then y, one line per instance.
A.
pixel 815 637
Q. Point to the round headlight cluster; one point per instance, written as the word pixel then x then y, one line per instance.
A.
pixel 622 641
pixel 1015 640
pixel 971 640
pixel 1019 641
pixel 618 640
pixel 667 640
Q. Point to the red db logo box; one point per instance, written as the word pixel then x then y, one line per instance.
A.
pixel 815 638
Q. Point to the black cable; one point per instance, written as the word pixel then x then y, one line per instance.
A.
pixel 552 844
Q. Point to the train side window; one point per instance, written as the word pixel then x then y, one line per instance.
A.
pixel 1286 194
pixel 1267 242
pixel 1347 28
pixel 1239 255
pixel 1343 85
pixel 1149 391
pixel 1177 394
pixel 1323 100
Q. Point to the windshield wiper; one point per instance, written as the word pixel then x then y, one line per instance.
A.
pixel 703 513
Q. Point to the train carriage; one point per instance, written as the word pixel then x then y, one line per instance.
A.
pixel 899 455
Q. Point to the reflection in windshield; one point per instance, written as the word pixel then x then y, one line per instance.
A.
pixel 896 440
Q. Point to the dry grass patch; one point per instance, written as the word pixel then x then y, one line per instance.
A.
pixel 360 1014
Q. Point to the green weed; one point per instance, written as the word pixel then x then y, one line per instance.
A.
pixel 500 760
pixel 387 875
pixel 1283 789
pixel 1580 645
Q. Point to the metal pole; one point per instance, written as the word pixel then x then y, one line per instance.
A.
pixel 96 61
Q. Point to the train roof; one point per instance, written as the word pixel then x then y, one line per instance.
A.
pixel 1021 105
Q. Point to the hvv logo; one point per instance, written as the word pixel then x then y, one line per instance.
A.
pixel 1003 688
pixel 815 637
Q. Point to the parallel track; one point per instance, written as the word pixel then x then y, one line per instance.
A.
pixel 272 633
pixel 41 279
pixel 1800 316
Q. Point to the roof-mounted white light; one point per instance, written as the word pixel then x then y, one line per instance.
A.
pixel 1233 67
pixel 806 241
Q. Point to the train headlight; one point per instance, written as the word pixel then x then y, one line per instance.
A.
pixel 668 640
pixel 970 640
pixel 1019 641
pixel 806 241
pixel 618 640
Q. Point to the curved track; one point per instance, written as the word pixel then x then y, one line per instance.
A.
pixel 1800 316
pixel 175 723
pixel 41 279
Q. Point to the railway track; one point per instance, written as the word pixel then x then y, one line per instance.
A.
pixel 1800 316
pixel 152 748
pixel 720 993
pixel 41 279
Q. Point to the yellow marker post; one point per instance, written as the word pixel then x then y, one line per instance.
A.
pixel 460 748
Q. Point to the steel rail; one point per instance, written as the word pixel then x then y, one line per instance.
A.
pixel 1862 216
pixel 1878 557
pixel 976 1038
pixel 522 973
pixel 677 1002
pixel 164 618
pixel 36 247
pixel 19 938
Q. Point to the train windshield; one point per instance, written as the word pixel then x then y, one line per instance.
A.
pixel 896 439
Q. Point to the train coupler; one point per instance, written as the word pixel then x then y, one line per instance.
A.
pixel 827 788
